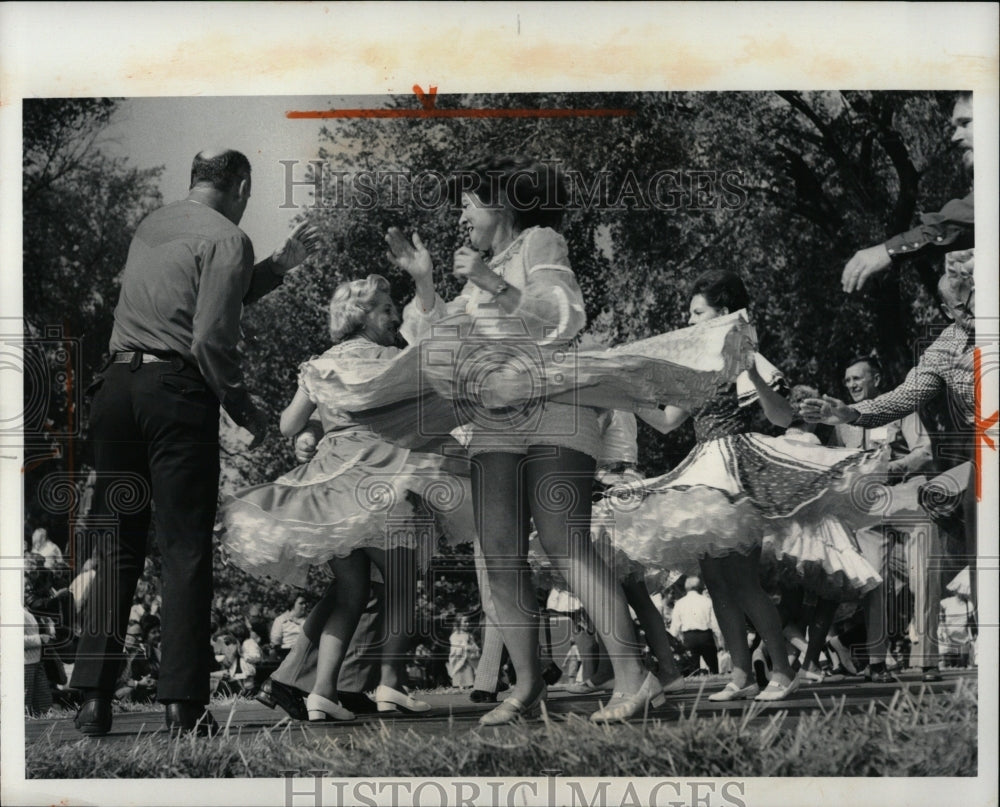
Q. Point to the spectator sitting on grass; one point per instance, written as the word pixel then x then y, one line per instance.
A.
pixel 42 545
pixel 287 626
pixel 257 624
pixel 235 675
pixel 53 611
pixel 142 665
pixel 250 650
pixel 37 691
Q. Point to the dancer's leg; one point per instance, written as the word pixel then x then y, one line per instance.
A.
pixel 399 570
pixel 350 595
pixel 651 621
pixel 923 560
pixel 741 573
pixel 502 523
pixel 731 618
pixel 558 486
pixel 819 629
pixel 590 650
pixel 491 657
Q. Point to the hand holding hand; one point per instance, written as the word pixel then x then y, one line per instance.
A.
pixel 826 410
pixel 305 445
pixel 864 264
pixel 297 247
pixel 413 259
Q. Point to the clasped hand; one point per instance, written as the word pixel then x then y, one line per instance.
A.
pixel 826 410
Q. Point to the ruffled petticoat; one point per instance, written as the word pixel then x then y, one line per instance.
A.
pixel 545 575
pixel 728 493
pixel 354 493
pixel 821 556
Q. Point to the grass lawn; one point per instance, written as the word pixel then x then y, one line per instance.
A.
pixel 919 734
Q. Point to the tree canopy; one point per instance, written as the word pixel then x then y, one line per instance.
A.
pixel 780 187
pixel 80 209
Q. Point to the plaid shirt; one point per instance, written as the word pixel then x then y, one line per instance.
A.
pixel 946 364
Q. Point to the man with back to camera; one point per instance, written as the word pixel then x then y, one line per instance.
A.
pixel 951 228
pixel 155 426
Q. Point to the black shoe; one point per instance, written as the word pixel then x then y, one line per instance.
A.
pixel 482 696
pixel 931 675
pixel 274 693
pixel 191 716
pixel 878 674
pixel 357 702
pixel 551 673
pixel 93 719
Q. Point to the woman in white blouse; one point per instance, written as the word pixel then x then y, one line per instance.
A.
pixel 535 461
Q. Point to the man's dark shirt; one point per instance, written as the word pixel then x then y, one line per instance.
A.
pixel 951 228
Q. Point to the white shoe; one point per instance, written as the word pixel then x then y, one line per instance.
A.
pixel 735 693
pixel 388 699
pixel 622 707
pixel 322 709
pixel 776 692
pixel 511 709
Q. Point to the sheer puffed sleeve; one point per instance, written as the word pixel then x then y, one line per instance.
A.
pixel 551 305
pixel 417 323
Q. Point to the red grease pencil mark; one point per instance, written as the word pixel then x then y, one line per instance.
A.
pixel 982 426
pixel 426 101
pixel 429 110
pixel 457 113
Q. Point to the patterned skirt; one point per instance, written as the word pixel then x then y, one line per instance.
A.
pixel 730 492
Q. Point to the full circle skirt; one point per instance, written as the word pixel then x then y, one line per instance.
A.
pixel 730 492
pixel 821 556
pixel 354 493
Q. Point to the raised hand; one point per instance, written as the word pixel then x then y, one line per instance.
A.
pixel 826 410
pixel 864 264
pixel 302 242
pixel 414 259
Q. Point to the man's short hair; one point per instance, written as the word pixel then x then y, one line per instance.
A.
pixel 871 361
pixel 692 584
pixel 223 171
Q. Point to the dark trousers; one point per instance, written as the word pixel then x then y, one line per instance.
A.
pixel 360 671
pixel 702 643
pixel 155 429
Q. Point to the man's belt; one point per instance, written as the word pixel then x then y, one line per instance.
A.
pixel 128 356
